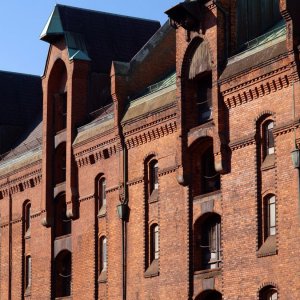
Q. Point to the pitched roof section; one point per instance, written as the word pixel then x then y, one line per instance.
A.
pixel 20 98
pixel 20 102
pixel 98 36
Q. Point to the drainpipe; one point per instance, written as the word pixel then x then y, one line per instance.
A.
pixel 123 211
pixel 10 242
pixel 226 17
pixel 296 152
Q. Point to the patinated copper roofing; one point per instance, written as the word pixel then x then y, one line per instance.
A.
pixel 98 36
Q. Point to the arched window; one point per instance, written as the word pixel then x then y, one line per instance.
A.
pixel 63 276
pixel 60 164
pixel 210 178
pixel 256 17
pixel 103 254
pixel 27 272
pixel 209 295
pixel 268 293
pixel 207 242
pixel 268 138
pixel 153 175
pixel 101 193
pixel 154 242
pixel 27 218
pixel 62 223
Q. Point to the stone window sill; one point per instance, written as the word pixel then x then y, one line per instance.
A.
pixel 268 248
pixel 152 271
pixel 102 212
pixel 268 163
pixel 154 196
pixel 208 273
pixel 102 277
pixel 64 298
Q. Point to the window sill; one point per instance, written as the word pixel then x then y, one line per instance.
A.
pixel 27 292
pixel 207 196
pixel 27 234
pixel 268 248
pixel 154 196
pixel 152 271
pixel 102 212
pixel 64 298
pixel 268 163
pixel 63 236
pixel 207 273
pixel 102 277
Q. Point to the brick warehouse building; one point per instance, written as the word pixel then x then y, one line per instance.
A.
pixel 155 162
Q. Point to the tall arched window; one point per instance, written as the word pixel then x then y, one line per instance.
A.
pixel 27 218
pixel 100 194
pixel 63 275
pixel 268 293
pixel 268 138
pixel 207 242
pixel 153 175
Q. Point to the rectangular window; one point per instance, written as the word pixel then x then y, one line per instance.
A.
pixel 156 240
pixel 28 272
pixel 103 190
pixel 272 216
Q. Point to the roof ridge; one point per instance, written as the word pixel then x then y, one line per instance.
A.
pixel 19 73
pixel 106 13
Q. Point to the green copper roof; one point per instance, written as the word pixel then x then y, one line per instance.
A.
pixel 53 26
pixel 75 41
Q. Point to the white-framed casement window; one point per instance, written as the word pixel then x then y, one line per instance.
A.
pixel 268 138
pixel 271 215
pixel 154 235
pixel 28 272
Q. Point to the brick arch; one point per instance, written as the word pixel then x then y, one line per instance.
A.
pixel 192 47
pixel 265 286
pixel 149 156
pixel 209 295
pixel 263 115
pixel 58 76
pixel 268 192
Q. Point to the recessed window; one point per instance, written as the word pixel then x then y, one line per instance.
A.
pixel 27 217
pixel 62 223
pixel 204 98
pixel 28 272
pixel 63 275
pixel 207 242
pixel 268 293
pixel 153 175
pixel 101 193
pixel 103 254
pixel 60 164
pixel 210 178
pixel 268 138
pixel 270 212
pixel 154 240
pixel 60 111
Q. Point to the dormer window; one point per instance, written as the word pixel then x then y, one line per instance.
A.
pixel 255 17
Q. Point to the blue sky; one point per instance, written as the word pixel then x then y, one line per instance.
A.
pixel 21 23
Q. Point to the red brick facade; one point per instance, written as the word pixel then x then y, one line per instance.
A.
pixel 182 186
